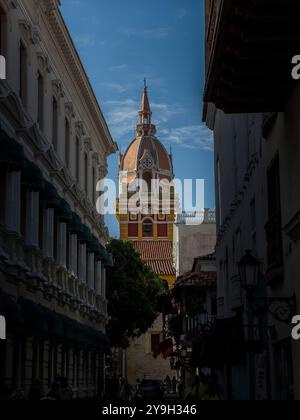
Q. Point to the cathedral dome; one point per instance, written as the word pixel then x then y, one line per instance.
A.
pixel 146 152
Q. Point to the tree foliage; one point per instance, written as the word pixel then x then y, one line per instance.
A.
pixel 133 292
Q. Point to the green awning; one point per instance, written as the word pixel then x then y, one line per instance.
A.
pixel 35 316
pixel 76 224
pixel 10 309
pixel 50 196
pixel 55 324
pixel 11 152
pixel 96 247
pixel 85 235
pixel 64 211
pixel 84 335
pixel 32 177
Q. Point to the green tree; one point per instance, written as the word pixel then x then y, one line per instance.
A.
pixel 133 292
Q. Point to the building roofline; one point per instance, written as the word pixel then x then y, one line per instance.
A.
pixel 64 38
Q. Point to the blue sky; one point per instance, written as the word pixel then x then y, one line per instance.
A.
pixel 123 41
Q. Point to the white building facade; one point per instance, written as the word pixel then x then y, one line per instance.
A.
pixel 194 236
pixel 54 144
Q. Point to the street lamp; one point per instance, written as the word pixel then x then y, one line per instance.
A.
pixel 249 267
pixel 281 308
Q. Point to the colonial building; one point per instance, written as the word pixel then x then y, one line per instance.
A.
pixel 54 143
pixel 150 231
pixel 194 308
pixel 194 236
pixel 257 158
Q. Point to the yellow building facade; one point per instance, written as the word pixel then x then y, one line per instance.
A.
pixel 150 225
pixel 149 228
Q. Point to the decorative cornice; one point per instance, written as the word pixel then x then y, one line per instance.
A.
pixel 238 199
pixel 73 62
pixel 8 5
pixel 58 89
pixel 29 34
pixel 96 159
pixel 43 63
pixel 69 110
pixel 13 107
pixel 88 145
pixel 80 129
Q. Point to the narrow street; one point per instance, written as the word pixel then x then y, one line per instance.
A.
pixel 149 201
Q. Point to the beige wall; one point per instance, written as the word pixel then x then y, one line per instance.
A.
pixel 140 361
pixel 191 242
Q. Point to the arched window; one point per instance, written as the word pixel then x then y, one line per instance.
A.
pixel 148 228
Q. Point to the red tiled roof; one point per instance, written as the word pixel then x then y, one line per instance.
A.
pixel 158 255
pixel 202 279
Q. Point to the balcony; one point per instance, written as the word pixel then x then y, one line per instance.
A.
pixel 198 324
pixel 249 48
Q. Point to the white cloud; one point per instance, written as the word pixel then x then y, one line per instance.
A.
pixel 149 33
pixel 120 67
pixel 190 137
pixel 84 40
pixel 182 13
pixel 115 86
pixel 122 116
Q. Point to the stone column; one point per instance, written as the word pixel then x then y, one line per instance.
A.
pixel 32 219
pixel 48 232
pixel 73 249
pixel 82 263
pixel 91 271
pixel 62 244
pixel 13 201
pixel 103 281
pixel 98 278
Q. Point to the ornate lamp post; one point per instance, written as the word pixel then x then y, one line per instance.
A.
pixel 249 267
pixel 281 308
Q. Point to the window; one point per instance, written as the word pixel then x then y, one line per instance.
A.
pixel 155 342
pixel 23 73
pixel 274 225
pixel 162 230
pixel 55 124
pixel 274 203
pixel 67 143
pixel 133 230
pixel 148 229
pixel 40 116
pixel 77 160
